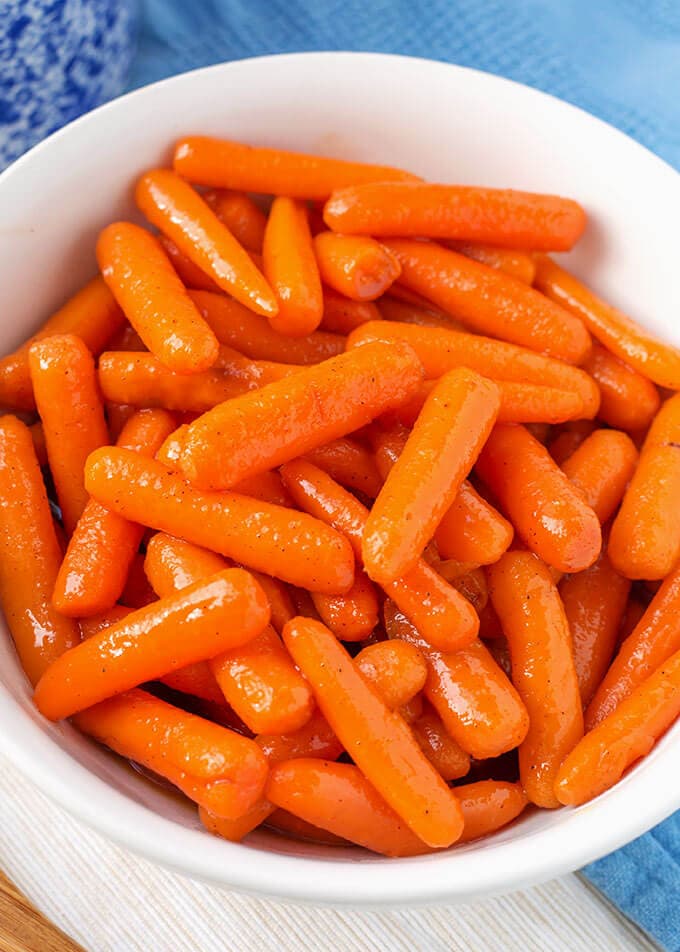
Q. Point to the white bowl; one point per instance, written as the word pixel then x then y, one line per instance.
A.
pixel 448 124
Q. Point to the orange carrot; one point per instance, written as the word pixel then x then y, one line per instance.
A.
pixel 471 583
pixel 281 821
pixel 172 564
pixel 594 602
pixel 221 163
pixel 92 314
pixel 446 756
pixel 440 350
pixel 263 429
pixel 218 768
pixel 95 623
pixel 181 214
pixel 117 415
pixel 65 387
pixel 528 604
pixel 340 315
pixel 236 830
pixel 39 445
pixel 489 805
pixel 548 512
pixel 489 301
pixel 350 464
pixel 645 537
pixel 376 738
pixel 631 618
pixel 504 217
pixel 253 336
pixel 29 556
pixel 189 273
pixel 628 401
pixel 278 596
pixel 204 619
pixel 273 539
pixel 441 450
pixel 396 669
pixel 95 567
pixel 601 468
pixel 154 300
pixel 266 486
pixel 126 338
pixel 569 438
pixel 519 264
pixel 442 615
pixel 313 739
pixel 627 734
pixel 291 269
pixel 652 358
pixel 241 215
pixel 356 266
pixel 392 307
pixel 353 616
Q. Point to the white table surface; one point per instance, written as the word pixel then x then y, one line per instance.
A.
pixel 111 901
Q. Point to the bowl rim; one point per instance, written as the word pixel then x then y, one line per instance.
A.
pixel 489 867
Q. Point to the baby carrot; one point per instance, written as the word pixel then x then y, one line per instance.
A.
pixel 627 734
pixel 471 583
pixel 569 438
pixel 519 264
pixel 204 619
pixel 356 266
pixel 442 615
pixel 440 452
pixel 275 540
pixel 39 445
pixel 440 350
pixel 478 705
pixel 92 314
pixel 189 273
pixel 651 643
pixel 548 512
pixel 377 739
pixel 180 213
pixel 278 596
pixel 281 821
pixel 241 215
pixel 353 616
pixel 489 301
pixel 446 756
pixel 594 602
pixel 96 623
pixel 340 315
pixel 489 805
pixel 392 307
pixel 267 486
pixel 541 653
pixel 631 618
pixel 504 217
pixel 95 567
pixel 65 387
pixel 313 739
pixel 601 468
pixel 396 669
pixel 154 300
pixel 349 463
pixel 126 338
pixel 652 358
pixel 265 428
pixel 236 830
pixel 628 401
pixel 337 797
pixel 209 763
pixel 291 269
pixel 645 536
pixel 221 163
pixel 29 556
pixel 172 564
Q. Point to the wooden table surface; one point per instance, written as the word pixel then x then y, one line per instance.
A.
pixel 24 929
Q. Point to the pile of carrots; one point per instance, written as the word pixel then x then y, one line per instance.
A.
pixel 347 512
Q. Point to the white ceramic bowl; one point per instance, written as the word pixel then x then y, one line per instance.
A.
pixel 448 124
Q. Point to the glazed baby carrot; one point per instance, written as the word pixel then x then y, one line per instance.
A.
pixel 280 603
pixel 442 615
pixel 340 315
pixel 154 300
pixel 263 429
pixel 569 438
pixel 338 798
pixel 95 567
pixel 548 512
pixel 220 163
pixel 396 669
pixel 241 215
pixel 356 266
pixel 594 602
pixel 189 273
pixel 645 536
pixel 181 214
pixel 478 705
pixel 266 486
pixel 377 739
pixel 220 769
pixel 196 680
pixel 291 269
pixel 519 264
pixel 96 623
pixel 204 619
pixel 489 301
pixel 446 756
pixel 627 734
pixel 440 452
pixel 440 350
pixel 652 358
pixel 601 468
pixel 353 616
pixel 313 739
pixel 273 539
pixel 39 445
pixel 628 401
pixel 651 643
pixel 349 463
pixel 534 622
pixel 284 822
pixel 65 388
pixel 92 314
pixel 392 307
pixel 504 217
pixel 489 805
pixel 235 830
pixel 471 583
pixel 172 564
pixel 29 555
